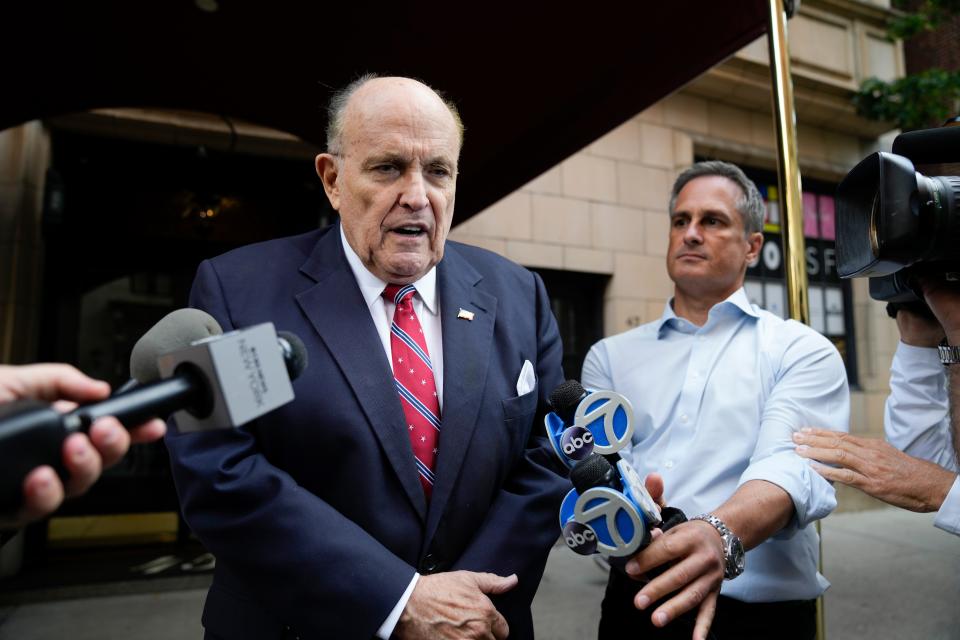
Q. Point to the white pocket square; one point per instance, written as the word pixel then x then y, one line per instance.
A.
pixel 527 380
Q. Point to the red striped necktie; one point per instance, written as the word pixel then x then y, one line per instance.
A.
pixel 413 376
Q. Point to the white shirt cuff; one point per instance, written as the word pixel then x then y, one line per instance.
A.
pixel 912 356
pixel 948 517
pixel 386 629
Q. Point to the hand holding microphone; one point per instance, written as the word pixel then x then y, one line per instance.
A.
pixel 186 366
pixel 83 456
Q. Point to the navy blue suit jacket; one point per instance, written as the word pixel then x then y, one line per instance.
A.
pixel 315 512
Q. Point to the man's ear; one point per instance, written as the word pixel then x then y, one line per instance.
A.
pixel 755 242
pixel 328 170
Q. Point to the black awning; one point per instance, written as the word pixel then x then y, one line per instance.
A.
pixel 535 82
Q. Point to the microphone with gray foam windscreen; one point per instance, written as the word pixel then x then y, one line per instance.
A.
pixel 187 366
pixel 176 330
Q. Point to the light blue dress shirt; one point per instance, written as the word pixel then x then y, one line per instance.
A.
pixel 715 406
pixel 916 419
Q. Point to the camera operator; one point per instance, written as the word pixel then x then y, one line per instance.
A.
pixel 917 470
pixel 83 456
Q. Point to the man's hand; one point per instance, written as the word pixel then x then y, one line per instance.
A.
pixel 83 457
pixel 943 298
pixel 697 550
pixel 654 486
pixel 876 468
pixel 917 330
pixel 455 605
pixel 755 511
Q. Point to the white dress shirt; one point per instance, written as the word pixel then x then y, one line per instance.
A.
pixel 426 304
pixel 715 407
pixel 916 419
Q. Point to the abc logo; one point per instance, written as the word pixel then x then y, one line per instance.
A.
pixel 609 416
pixel 577 443
pixel 620 525
pixel 576 539
pixel 580 538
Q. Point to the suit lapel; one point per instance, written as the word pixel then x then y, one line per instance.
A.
pixel 466 356
pixel 336 309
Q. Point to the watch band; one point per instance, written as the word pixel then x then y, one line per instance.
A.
pixel 733 553
pixel 949 354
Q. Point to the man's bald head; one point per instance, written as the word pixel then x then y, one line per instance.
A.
pixel 372 85
pixel 391 174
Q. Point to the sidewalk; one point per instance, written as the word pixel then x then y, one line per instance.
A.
pixel 894 576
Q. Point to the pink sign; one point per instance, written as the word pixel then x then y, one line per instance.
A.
pixel 828 224
pixel 810 229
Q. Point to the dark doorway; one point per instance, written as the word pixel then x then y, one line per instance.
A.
pixel 576 299
pixel 125 225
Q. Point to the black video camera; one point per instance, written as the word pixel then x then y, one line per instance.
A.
pixel 893 222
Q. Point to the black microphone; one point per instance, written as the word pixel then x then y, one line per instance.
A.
pixel 213 380
pixel 595 471
pixel 565 398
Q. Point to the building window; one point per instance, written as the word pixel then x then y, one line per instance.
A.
pixel 831 300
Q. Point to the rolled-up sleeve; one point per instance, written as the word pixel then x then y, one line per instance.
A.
pixel 810 389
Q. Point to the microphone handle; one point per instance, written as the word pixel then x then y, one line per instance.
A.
pixel 134 407
pixel 32 432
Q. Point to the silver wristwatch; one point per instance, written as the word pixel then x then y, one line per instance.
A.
pixel 949 354
pixel 733 555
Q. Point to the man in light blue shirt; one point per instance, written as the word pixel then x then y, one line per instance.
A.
pixel 718 387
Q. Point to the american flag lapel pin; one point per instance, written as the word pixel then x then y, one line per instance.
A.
pixel 463 314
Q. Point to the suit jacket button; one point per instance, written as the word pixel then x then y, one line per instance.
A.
pixel 430 564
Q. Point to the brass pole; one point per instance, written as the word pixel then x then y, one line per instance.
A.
pixel 788 177
pixel 788 171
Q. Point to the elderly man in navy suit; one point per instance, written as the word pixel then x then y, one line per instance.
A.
pixel 405 492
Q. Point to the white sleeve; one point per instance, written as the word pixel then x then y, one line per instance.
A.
pixel 596 368
pixel 386 629
pixel 811 389
pixel 948 517
pixel 916 417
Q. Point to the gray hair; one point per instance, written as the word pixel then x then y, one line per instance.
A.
pixel 337 107
pixel 750 203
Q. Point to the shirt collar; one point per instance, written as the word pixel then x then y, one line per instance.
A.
pixel 372 287
pixel 738 301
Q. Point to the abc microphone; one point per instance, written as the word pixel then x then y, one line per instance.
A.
pixel 565 398
pixel 609 510
pixel 210 379
pixel 585 422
